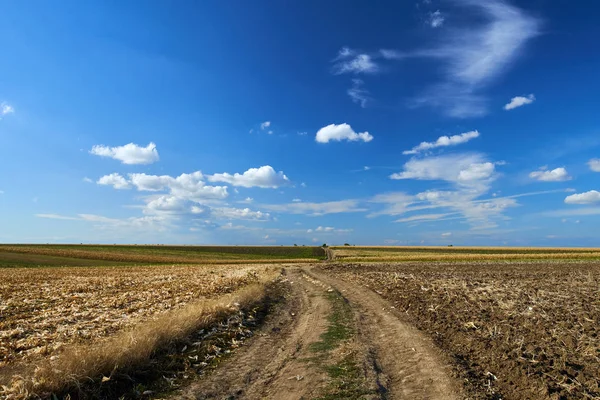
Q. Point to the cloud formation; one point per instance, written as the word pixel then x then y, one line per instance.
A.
pixel 555 175
pixel 519 101
pixel 436 19
pixel 263 177
pixel 461 169
pixel 358 93
pixel 128 154
pixel 594 164
pixel 443 141
pixel 591 197
pixel 115 180
pixel 315 209
pixel 6 109
pixel 341 132
pixel 349 61
pixel 476 54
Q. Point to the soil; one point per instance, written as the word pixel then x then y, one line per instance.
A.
pixel 386 358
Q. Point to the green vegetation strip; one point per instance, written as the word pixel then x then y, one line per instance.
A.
pixel 347 380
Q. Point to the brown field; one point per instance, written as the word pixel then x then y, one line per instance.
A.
pixel 514 330
pixel 47 312
pixel 438 253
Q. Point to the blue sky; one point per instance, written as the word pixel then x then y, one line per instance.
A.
pixel 418 122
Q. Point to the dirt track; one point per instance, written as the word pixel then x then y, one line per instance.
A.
pixel 397 361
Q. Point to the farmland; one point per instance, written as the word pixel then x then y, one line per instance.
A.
pixel 90 255
pixel 371 322
pixel 432 253
pixel 515 330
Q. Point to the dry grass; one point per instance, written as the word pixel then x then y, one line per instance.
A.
pixel 126 349
pixel 61 325
pixel 43 309
pixel 516 330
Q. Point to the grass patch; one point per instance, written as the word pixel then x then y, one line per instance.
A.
pixel 334 356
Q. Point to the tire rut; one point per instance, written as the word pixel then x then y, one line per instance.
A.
pixel 408 364
pixel 273 364
pixel 399 362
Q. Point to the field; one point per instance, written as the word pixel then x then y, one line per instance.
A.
pixel 515 330
pixel 46 313
pixel 93 255
pixel 96 322
pixel 432 253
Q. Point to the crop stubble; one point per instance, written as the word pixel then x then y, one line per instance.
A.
pixel 43 309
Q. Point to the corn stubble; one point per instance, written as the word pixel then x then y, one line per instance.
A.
pixel 60 326
pixel 515 330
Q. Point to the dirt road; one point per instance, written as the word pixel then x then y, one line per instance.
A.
pixel 311 348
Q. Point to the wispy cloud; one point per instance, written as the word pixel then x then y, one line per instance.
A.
pixel 6 109
pixel 519 101
pixel 265 125
pixel 128 154
pixel 555 175
pixel 349 61
pixel 435 19
pixel 315 209
pixel 443 141
pixel 358 93
pixel 341 132
pixel 475 55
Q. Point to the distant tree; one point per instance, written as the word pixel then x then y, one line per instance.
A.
pixel 346 244
pixel 295 245
pixel 324 245
pixel 450 245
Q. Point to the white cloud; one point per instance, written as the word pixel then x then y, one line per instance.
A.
pixel 265 125
pixel 263 177
pixel 186 186
pixel 328 229
pixel 555 175
pixel 591 197
pixel 436 19
pixel 426 217
pixel 302 133
pixel 349 62
pixel 393 54
pixel 519 101
pixel 6 109
pixel 87 180
pixel 240 213
pixel 296 200
pixel 247 200
pixel 330 207
pixel 115 180
pixel 443 141
pixel 56 216
pixel 142 224
pixel 594 164
pixel 463 169
pixel 358 93
pixel 475 55
pixel 341 132
pixel 128 154
pixel 446 234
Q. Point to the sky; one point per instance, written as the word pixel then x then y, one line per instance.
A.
pixel 421 122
